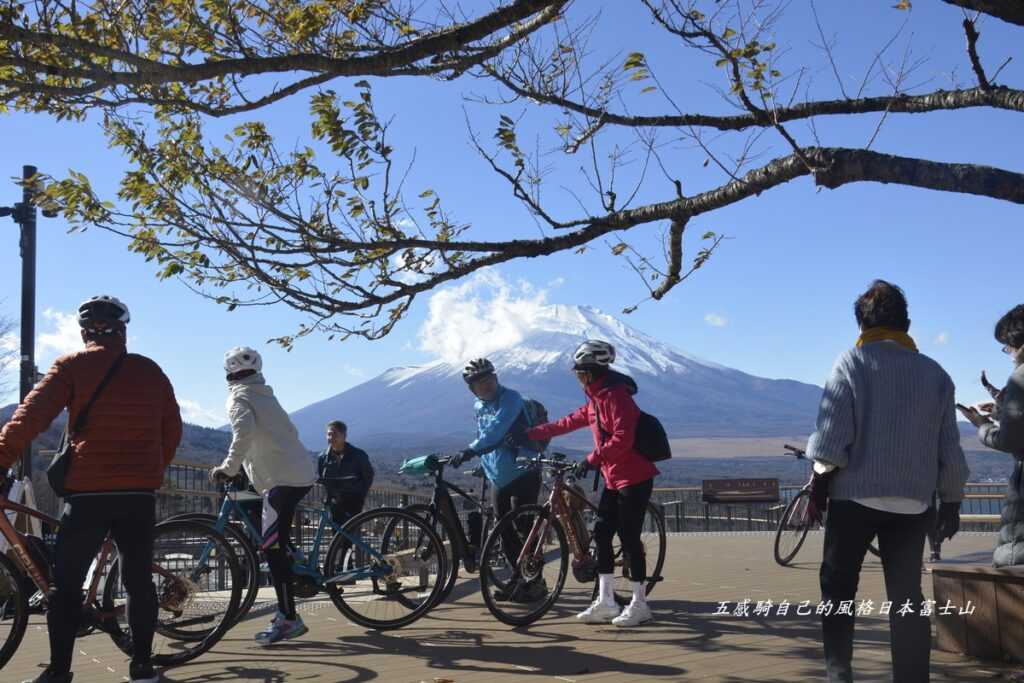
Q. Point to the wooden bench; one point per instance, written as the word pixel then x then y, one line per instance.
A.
pixel 740 490
pixel 995 630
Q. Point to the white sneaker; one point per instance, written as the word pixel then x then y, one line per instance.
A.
pixel 634 615
pixel 598 613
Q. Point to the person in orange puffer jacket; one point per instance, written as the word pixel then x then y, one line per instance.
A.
pixel 612 416
pixel 118 461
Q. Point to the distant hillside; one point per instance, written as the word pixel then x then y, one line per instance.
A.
pixel 198 444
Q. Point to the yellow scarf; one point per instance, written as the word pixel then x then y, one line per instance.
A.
pixel 876 334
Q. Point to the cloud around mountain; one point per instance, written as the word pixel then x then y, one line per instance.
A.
pixel 531 342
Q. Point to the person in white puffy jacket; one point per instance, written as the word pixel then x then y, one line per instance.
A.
pixel 265 441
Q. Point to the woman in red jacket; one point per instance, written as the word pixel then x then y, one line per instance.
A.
pixel 612 416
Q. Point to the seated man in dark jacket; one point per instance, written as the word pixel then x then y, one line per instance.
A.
pixel 346 473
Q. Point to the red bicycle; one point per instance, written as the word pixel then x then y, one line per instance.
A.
pixel 195 571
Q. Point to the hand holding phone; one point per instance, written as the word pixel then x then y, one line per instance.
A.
pixel 972 415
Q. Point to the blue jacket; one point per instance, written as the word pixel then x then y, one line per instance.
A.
pixel 494 419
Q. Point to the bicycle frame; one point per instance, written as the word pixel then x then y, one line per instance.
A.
pixel 16 540
pixel 444 504
pixel 231 506
pixel 567 517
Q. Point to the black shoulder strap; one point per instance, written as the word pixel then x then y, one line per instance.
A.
pixel 597 415
pixel 80 420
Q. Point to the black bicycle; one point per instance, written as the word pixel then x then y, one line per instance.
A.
pixel 463 542
pixel 796 521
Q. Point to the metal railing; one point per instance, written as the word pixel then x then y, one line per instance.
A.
pixel 187 488
pixel 685 511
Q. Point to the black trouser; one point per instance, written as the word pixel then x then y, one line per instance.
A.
pixel 87 519
pixel 524 491
pixel 345 506
pixel 848 531
pixel 279 506
pixel 622 511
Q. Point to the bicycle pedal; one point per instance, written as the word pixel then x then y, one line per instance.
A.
pixel 37 599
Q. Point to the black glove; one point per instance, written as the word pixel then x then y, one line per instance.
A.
pixel 580 469
pixel 515 439
pixel 462 456
pixel 949 521
pixel 819 491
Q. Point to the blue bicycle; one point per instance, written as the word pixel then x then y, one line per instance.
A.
pixel 383 569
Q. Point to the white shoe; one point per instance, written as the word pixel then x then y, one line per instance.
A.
pixel 598 613
pixel 634 615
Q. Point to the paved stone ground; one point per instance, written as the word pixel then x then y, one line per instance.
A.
pixel 461 642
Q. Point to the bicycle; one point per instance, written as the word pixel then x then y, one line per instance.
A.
pixel 463 544
pixel 796 520
pixel 546 532
pixel 356 575
pixel 194 570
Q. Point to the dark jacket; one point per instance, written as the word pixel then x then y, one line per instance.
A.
pixel 132 431
pixel 612 415
pixel 349 476
pixel 1008 435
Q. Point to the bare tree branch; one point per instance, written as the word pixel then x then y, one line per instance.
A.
pixel 972 52
pixel 1010 11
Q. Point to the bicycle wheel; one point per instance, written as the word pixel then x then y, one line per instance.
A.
pixel 445 533
pixel 499 567
pixel 654 547
pixel 245 550
pixel 198 590
pixel 521 594
pixel 13 609
pixel 793 528
pixel 386 570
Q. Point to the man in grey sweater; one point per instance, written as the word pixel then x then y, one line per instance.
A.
pixel 886 441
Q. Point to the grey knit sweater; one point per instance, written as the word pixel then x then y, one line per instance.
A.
pixel 888 420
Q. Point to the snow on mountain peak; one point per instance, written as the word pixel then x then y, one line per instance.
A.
pixel 551 333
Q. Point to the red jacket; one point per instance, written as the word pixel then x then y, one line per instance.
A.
pixel 133 428
pixel 611 398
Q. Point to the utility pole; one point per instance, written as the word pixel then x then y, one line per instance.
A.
pixel 24 214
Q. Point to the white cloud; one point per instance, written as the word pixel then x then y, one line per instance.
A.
pixel 715 320
pixel 557 282
pixel 356 372
pixel 481 315
pixel 10 343
pixel 64 337
pixel 942 339
pixel 196 413
pixel 412 266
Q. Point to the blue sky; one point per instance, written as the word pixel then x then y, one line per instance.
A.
pixel 775 301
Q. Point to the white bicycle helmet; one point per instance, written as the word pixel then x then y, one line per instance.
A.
pixel 594 352
pixel 102 310
pixel 477 368
pixel 242 358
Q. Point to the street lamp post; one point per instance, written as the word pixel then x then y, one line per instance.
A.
pixel 24 214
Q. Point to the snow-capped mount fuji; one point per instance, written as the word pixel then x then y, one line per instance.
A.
pixel 693 398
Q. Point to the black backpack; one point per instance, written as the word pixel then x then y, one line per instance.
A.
pixel 650 440
pixel 536 414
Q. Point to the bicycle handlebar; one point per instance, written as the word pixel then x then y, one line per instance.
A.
pixel 800 453
pixel 557 462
